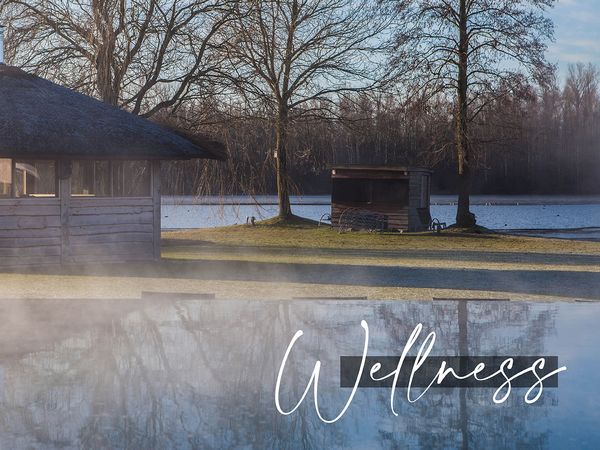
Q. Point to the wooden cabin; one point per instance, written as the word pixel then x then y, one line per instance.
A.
pixel 79 179
pixel 380 197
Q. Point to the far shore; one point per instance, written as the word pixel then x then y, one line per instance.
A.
pixel 436 199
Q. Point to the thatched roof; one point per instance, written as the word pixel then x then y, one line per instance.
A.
pixel 40 119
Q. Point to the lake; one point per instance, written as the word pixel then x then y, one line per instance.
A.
pixel 575 217
pixel 201 374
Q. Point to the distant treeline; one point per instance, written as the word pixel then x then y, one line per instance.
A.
pixel 462 87
pixel 545 141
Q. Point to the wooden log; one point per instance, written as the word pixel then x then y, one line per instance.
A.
pixel 11 261
pixel 30 251
pixel 30 210
pixel 49 232
pixel 111 258
pixel 111 210
pixel 28 242
pixel 64 188
pixel 104 229
pixel 112 238
pixel 112 219
pixel 92 202
pixel 119 248
pixel 156 197
pixel 28 222
pixel 29 201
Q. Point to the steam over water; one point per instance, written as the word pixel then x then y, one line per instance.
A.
pixel 201 374
pixel 568 217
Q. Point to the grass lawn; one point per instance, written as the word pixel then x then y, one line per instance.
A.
pixel 453 263
pixel 305 234
pixel 281 261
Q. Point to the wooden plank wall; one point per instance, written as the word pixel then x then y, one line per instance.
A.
pixel 33 231
pixel 416 201
pixel 397 218
pixel 30 232
pixel 73 230
pixel 110 229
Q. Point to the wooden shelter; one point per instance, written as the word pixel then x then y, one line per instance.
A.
pixel 79 179
pixel 381 197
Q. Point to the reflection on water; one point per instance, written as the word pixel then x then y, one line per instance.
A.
pixel 201 374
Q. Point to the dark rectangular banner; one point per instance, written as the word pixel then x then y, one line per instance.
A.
pixel 461 371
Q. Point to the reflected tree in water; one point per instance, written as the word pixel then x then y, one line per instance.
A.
pixel 467 417
pixel 202 375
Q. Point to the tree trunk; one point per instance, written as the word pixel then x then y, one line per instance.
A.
pixel 104 81
pixel 105 53
pixel 283 195
pixel 464 217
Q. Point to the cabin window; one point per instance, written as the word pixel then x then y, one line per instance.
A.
pixel 111 178
pixel 6 177
pixel 131 179
pixel 34 178
pixel 91 178
pixel 360 191
pixel 390 192
pixel 351 190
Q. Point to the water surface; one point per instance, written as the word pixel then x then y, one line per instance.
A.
pixel 566 216
pixel 201 374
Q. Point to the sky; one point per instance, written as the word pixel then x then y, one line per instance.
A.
pixel 576 32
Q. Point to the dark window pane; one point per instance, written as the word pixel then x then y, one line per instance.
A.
pixel 101 176
pixel 390 192
pixel 91 178
pixel 370 192
pixel 351 190
pixel 35 178
pixel 131 178
pixel 111 178
pixel 5 177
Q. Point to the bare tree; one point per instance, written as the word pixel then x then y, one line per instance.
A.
pixel 294 57
pixel 143 55
pixel 580 97
pixel 539 140
pixel 474 50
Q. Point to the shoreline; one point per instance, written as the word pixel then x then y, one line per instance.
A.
pixel 436 200
pixel 281 262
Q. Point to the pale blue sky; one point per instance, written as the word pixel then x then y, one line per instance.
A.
pixel 577 33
